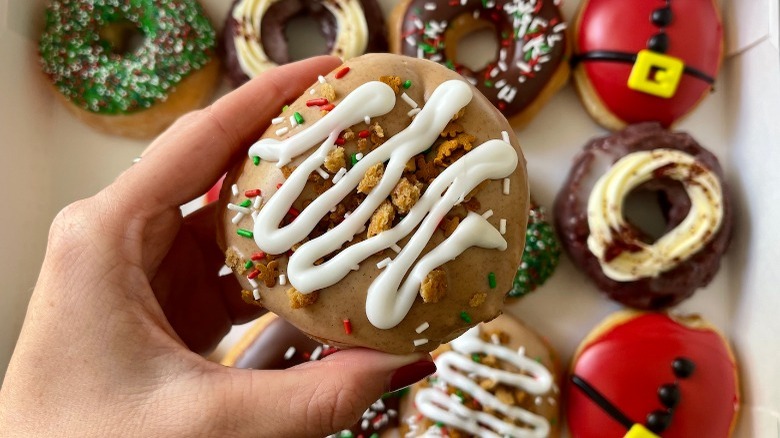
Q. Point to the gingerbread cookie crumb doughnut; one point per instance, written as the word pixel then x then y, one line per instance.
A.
pixel 369 214
pixel 540 256
pixel 623 260
pixel 274 344
pixel 498 379
pixel 654 375
pixel 645 61
pixel 141 92
pixel 531 63
pixel 254 32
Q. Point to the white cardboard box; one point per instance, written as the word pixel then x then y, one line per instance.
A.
pixel 48 159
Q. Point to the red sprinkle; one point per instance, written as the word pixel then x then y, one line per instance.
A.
pixel 341 73
pixel 328 107
pixel 279 186
pixel 253 274
pixel 252 193
pixel 347 327
pixel 364 133
pixel 317 102
pixel 259 255
pixel 328 351
pixel 293 211
pixel 306 356
pixel 340 141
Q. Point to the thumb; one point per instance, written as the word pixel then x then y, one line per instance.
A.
pixel 317 398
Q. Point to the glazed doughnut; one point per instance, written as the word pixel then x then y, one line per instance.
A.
pixel 540 256
pixel 386 211
pixel 274 344
pixel 502 365
pixel 622 259
pixel 531 64
pixel 674 377
pixel 139 93
pixel 255 41
pixel 645 61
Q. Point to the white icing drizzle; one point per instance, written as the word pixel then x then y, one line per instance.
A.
pixel 351 39
pixel 454 367
pixel 605 213
pixel 388 300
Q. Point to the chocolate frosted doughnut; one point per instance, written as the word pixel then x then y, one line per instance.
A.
pixel 254 38
pixel 623 260
pixel 530 65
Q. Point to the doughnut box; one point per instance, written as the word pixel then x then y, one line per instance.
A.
pixel 49 159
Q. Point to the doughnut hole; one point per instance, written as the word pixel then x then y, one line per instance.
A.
pixel 288 30
pixel 656 207
pixel 302 42
pixel 122 37
pixel 472 43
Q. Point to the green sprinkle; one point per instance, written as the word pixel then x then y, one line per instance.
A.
pixel 465 316
pixel 484 3
pixel 298 118
pixel 459 393
pixel 427 48
pixel 488 84
pixel 450 65
pixel 407 84
pixel 284 108
pixel 246 203
pixel 374 435
pixel 353 159
pixel 553 421
pixel 492 280
pixel 245 233
pixel 256 160
pixel 346 434
pixel 439 424
pixel 475 358
pixel 249 264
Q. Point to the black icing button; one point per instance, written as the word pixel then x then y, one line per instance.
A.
pixel 658 421
pixel 662 17
pixel 658 42
pixel 669 395
pixel 683 367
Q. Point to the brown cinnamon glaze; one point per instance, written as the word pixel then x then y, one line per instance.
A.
pixel 275 42
pixel 571 220
pixel 531 38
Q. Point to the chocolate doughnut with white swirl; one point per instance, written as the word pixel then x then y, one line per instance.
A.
pixel 254 32
pixel 387 210
pixel 628 264
pixel 499 379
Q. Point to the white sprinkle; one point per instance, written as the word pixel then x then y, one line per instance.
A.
pixel 136 160
pixel 422 327
pixel 551 401
pixel 521 350
pixel 487 214
pixel 340 174
pixel 359 156
pixel 321 79
pixel 471 80
pixel 256 294
pixel 495 339
pixel 282 280
pixel 476 11
pixel 538 400
pixel 409 100
pixel 502 66
pixel 257 202
pixel 418 342
pixel 455 398
pixel 289 353
pixel 410 40
pixel 559 27
pixel 523 66
pixel 253 283
pixel 277 120
pixel 367 120
pixel 494 72
pixel 505 136
pixel 507 93
pixel 502 226
pixel 322 173
pixel 364 425
pixel 430 6
pixel 237 218
pixel 501 83
pixel 413 112
pixel 346 215
pixel 282 131
pixel 234 189
pixel 506 186
pixel 383 264
pixel 502 54
pixel 392 413
pixel 396 248
pixel 418 23
pixel 224 271
pixel 378 405
pixel 437 57
pixel 312 91
pixel 420 53
pixel 293 122
pixel 235 207
pixel 316 353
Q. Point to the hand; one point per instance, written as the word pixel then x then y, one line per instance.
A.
pixel 128 293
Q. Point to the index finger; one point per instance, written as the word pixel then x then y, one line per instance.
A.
pixel 192 154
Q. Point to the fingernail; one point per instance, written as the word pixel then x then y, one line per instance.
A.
pixel 410 374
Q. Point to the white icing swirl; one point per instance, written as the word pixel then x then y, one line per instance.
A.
pixel 606 220
pixel 351 39
pixel 386 305
pixel 439 406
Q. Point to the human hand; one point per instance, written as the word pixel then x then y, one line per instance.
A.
pixel 128 294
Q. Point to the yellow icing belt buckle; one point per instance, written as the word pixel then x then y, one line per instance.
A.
pixel 657 74
pixel 639 431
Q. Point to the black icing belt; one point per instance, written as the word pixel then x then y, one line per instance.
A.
pixel 602 402
pixel 630 58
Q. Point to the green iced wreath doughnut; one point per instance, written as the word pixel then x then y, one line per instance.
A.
pixel 541 255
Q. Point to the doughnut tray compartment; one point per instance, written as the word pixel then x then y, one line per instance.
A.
pixel 48 159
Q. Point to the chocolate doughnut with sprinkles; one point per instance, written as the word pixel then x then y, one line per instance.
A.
pixel 630 264
pixel 274 344
pixel 254 32
pixel 499 379
pixel 653 375
pixel 122 86
pixel 369 213
pixel 531 64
